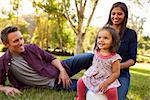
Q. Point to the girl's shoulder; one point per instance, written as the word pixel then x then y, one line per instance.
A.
pixel 116 57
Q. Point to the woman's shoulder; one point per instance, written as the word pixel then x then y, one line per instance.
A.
pixel 130 33
pixel 129 30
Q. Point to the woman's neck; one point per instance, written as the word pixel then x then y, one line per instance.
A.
pixel 117 27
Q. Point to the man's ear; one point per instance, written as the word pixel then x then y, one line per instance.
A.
pixel 6 44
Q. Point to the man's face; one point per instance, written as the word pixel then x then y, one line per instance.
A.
pixel 15 42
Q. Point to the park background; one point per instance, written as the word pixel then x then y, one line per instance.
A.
pixel 68 27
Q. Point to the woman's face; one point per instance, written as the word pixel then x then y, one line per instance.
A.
pixel 117 16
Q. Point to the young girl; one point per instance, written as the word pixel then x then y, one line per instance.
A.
pixel 102 76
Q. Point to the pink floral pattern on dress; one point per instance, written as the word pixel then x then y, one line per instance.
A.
pixel 99 72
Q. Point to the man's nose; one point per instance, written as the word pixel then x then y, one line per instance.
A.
pixel 21 41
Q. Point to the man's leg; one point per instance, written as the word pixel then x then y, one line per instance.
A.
pixel 123 89
pixel 79 62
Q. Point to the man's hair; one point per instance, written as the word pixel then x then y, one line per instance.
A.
pixel 6 31
pixel 115 38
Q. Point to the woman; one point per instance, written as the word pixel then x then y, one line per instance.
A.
pixel 118 17
pixel 128 47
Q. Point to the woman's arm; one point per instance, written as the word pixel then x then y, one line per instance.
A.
pixel 127 64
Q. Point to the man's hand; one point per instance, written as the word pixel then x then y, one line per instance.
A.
pixel 64 78
pixel 10 91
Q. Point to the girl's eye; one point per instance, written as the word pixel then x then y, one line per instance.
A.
pixel 99 37
pixel 105 38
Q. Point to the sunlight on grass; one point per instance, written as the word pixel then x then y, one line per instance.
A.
pixel 136 72
pixel 140 83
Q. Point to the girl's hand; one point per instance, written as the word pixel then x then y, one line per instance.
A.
pixel 103 86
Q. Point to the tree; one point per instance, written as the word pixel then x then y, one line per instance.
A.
pixel 77 20
pixel 15 6
pixel 133 20
pixel 56 23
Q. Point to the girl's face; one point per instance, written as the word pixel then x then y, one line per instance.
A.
pixel 104 40
pixel 117 16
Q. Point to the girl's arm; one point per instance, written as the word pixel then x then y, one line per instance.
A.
pixel 115 74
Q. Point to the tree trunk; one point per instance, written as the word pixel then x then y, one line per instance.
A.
pixel 79 41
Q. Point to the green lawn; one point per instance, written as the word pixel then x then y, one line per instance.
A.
pixel 140 84
pixel 139 89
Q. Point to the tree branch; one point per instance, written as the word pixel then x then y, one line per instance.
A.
pixel 90 18
pixel 77 8
pixel 68 18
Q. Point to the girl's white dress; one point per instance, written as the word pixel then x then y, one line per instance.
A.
pixel 100 70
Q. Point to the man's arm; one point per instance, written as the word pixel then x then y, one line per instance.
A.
pixel 10 91
pixel 63 76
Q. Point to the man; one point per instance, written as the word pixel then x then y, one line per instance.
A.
pixel 30 66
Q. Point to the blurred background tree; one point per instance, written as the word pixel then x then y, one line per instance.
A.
pixel 64 24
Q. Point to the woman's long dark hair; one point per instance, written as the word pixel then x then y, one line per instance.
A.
pixel 124 23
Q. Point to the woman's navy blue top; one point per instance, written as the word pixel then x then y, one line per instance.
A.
pixel 128 49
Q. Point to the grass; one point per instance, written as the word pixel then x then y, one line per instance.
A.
pixel 139 88
pixel 140 84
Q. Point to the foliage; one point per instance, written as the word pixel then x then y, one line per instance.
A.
pixel 89 40
pixel 75 17
pixel 22 25
pixel 54 31
pixel 78 20
pixel 144 49
pixel 144 43
pixel 143 58
pixel 1 47
pixel 136 23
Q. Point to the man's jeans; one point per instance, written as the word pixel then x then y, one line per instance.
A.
pixel 123 89
pixel 79 62
pixel 76 64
